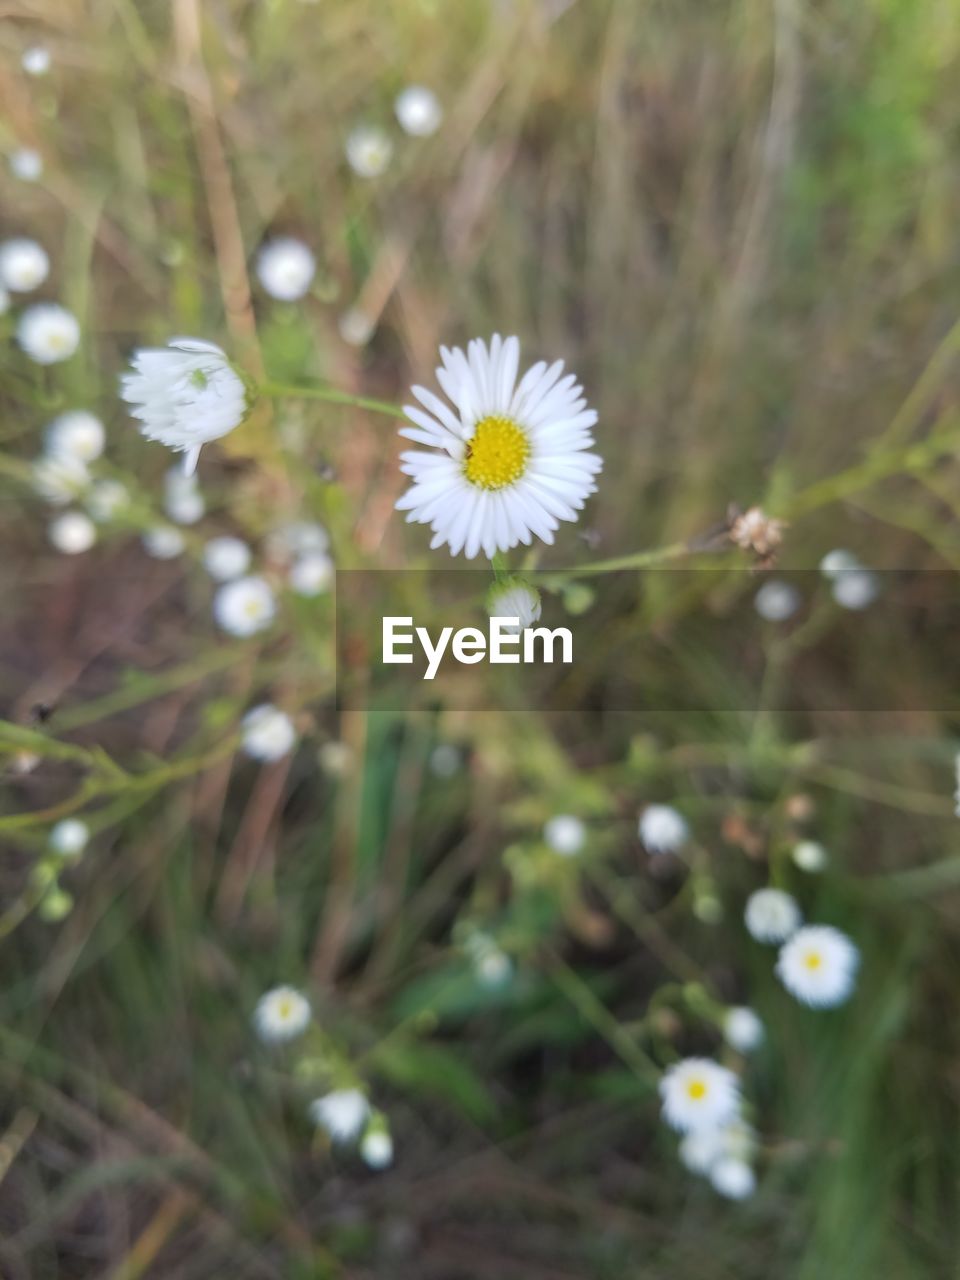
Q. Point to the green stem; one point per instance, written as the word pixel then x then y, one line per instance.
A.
pixel 280 390
pixel 498 564
pixel 636 560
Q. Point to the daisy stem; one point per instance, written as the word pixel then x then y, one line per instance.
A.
pixel 280 390
pixel 499 566
pixel 636 560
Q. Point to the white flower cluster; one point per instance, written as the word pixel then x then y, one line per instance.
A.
pixel 817 963
pixel 46 331
pixel 701 1100
pixel 851 585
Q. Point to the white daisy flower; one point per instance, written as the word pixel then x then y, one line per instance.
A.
pixel 312 574
pixel 565 834
pixel 244 606
pixel 701 1148
pixel 163 542
pixel 105 499
pixel 776 601
pixel 838 561
pixel 662 829
pixel 226 557
pixel 342 1114
pixel 855 589
pixel 24 264
pixel 356 327
pixel 285 268
pixel 742 1029
pixel 733 1178
pixel 282 1014
pixel 698 1093
pixel 185 395
pixel 514 599
pixel 36 60
pixel 819 965
pixel 48 332
pixel 377 1148
pixel 369 151
pixel 772 915
pixel 77 434
pixel 509 463
pixel 809 855
pixel 59 478
pixel 72 533
pixel 68 839
pixel 267 733
pixel 182 500
pixel 418 111
pixel 26 164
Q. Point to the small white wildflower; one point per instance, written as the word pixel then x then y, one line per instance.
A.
pixel 77 434
pixel 662 829
pixel 818 966
pixel 163 542
pixel 492 966
pixel 282 1014
pixel 700 1149
pixel 185 395
pixel 36 60
pixel 565 834
pixel 312 574
pixel 59 478
pixel 244 606
pixel 285 268
pixel 226 557
pixel 105 499
pixel 514 599
pixel 776 601
pixel 698 1093
pixel 342 1114
pixel 369 151
pixel 298 538
pixel 445 760
pixel 772 915
pixel 377 1148
pixel 68 839
pixel 267 733
pixel 733 1178
pixel 182 500
pixel 742 1029
pixel 72 533
pixel 418 111
pixel 855 589
pixel 809 855
pixel 356 327
pixel 26 164
pixel 48 333
pixel 24 264
pixel 837 562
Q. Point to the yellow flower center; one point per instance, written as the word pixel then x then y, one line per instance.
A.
pixel 285 1008
pixel 813 960
pixel 497 455
pixel 696 1090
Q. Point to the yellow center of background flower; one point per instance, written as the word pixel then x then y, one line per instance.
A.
pixel 812 960
pixel 696 1089
pixel 497 455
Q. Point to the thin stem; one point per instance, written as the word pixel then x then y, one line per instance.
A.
pixel 498 564
pixel 636 560
pixel 280 390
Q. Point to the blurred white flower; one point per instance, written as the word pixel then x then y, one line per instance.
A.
pixel 26 164
pixel 4 301
pixel 163 542
pixel 565 834
pixel 342 1114
pixel 742 1029
pixel 76 434
pixel 377 1148
pixel 514 599
pixel 311 574
pixel 838 561
pixel 698 1093
pixel 701 1148
pixel 492 966
pixel 282 1014
pixel 24 264
pixel 662 829
pixel 509 462
pixel 418 111
pixel 356 328
pixel 182 500
pixel 855 589
pixel 36 60
pixel 776 601
pixel 733 1178
pixel 335 757
pixel 68 839
pixel 445 760
pixel 771 915
pixel 267 733
pixel 244 606
pixel 105 499
pixel 285 268
pixel 48 332
pixel 369 151
pixel 59 478
pixel 809 855
pixel 819 965
pixel 226 557
pixel 298 538
pixel 72 533
pixel 185 395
